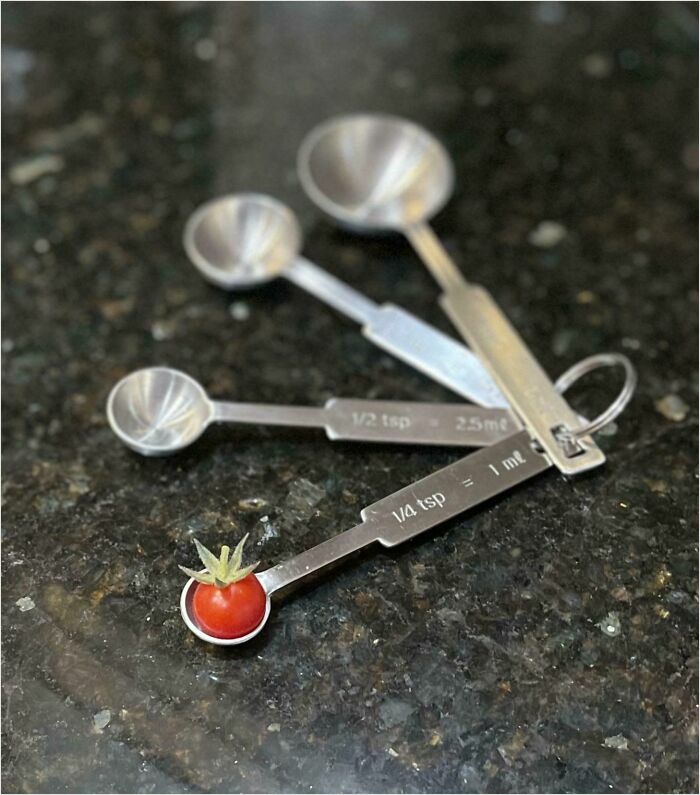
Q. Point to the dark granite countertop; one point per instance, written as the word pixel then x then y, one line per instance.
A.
pixel 546 643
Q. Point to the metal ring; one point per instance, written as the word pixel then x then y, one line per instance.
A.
pixel 618 405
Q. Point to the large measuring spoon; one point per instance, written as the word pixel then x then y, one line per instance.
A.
pixel 382 172
pixel 431 500
pixel 242 240
pixel 157 411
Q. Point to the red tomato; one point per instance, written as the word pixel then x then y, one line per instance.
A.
pixel 229 612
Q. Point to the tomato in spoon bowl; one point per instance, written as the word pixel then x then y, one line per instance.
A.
pixel 228 600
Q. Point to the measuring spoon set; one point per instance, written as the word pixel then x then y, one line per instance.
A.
pixel 376 172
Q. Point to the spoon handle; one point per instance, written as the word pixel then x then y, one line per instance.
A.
pixel 420 506
pixel 269 414
pixel 317 557
pixel 435 354
pixel 518 374
pixel 449 424
pixel 330 290
pixel 403 335
pixel 430 249
pixel 544 411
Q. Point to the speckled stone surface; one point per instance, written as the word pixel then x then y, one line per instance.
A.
pixel 546 643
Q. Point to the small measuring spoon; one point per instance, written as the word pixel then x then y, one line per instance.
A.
pixel 242 240
pixel 158 410
pixel 402 515
pixel 428 502
pixel 383 172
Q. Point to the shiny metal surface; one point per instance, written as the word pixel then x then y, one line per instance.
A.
pixel 546 414
pixel 158 410
pixel 375 171
pixel 444 424
pixel 430 351
pixel 380 172
pixel 241 240
pixel 420 506
pixel 619 404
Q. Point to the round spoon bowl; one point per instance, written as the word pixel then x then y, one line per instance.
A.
pixel 188 617
pixel 375 172
pixel 242 240
pixel 157 411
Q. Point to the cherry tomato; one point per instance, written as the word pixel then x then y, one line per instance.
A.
pixel 229 612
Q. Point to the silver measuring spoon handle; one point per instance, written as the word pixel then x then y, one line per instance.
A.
pixel 430 249
pixel 518 374
pixel 420 506
pixel 448 424
pixel 330 290
pixel 269 414
pixel 545 412
pixel 403 335
pixel 325 553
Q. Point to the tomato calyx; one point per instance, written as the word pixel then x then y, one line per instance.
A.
pixel 221 571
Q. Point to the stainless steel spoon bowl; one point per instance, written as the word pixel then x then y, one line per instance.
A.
pixel 375 171
pixel 242 240
pixel 157 411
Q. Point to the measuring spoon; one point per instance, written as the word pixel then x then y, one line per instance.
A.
pixel 383 172
pixel 158 410
pixel 424 504
pixel 242 240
